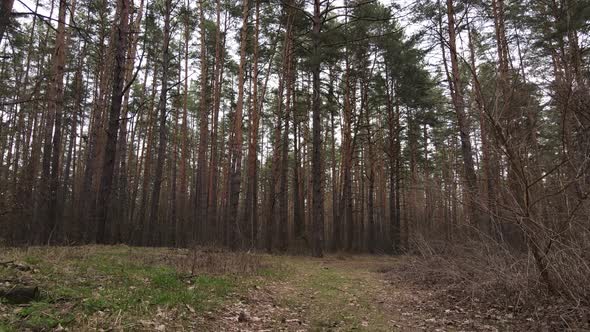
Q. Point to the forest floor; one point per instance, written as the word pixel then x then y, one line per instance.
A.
pixel 120 288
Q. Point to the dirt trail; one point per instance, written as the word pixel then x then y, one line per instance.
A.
pixel 131 289
pixel 344 295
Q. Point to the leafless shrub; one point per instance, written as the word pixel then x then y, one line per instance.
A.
pixel 487 274
pixel 476 268
pixel 211 261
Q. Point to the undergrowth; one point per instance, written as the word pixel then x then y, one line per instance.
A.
pixel 488 275
pixel 95 287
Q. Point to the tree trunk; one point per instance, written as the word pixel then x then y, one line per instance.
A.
pixel 340 234
pixel 250 203
pixel 335 219
pixel 52 144
pixel 235 233
pixel 472 192
pixel 110 149
pixel 181 226
pixel 201 176
pixel 5 11
pixel 284 187
pixel 317 178
pixel 70 158
pixel 214 159
pixel 158 174
pixel 121 228
pixel 371 239
pixel 393 160
pixel 273 210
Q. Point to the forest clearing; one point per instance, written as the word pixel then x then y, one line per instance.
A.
pixel 120 288
pixel 300 165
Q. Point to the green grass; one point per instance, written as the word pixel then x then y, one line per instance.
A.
pixel 338 298
pixel 122 288
pixel 111 281
pixel 32 260
pixel 5 328
pixel 42 315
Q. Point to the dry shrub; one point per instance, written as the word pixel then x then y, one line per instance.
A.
pixel 218 262
pixel 241 263
pixel 476 269
pixel 51 255
pixel 487 275
pixel 569 267
pixel 195 261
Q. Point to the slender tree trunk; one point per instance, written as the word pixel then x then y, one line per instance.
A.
pixel 147 163
pixel 346 200
pixel 110 149
pixel 298 201
pixel 250 203
pixel 78 111
pixel 371 238
pixel 489 171
pixel 154 238
pixel 235 234
pixel 201 176
pixel 317 178
pixel 336 226
pixel 24 133
pixel 87 216
pixel 283 221
pixel 393 156
pixel 52 144
pixel 472 192
pixel 274 191
pixel 181 226
pixel 214 158
pixel 121 228
pixel 172 230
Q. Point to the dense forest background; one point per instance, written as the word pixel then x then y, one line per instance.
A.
pixel 300 125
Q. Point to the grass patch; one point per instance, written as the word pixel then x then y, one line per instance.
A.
pixel 338 298
pixel 137 289
pixel 114 286
pixel 5 328
pixel 32 260
pixel 43 315
pixel 274 272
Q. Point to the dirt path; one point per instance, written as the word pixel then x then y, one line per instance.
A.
pixel 350 294
pixel 326 295
pixel 105 290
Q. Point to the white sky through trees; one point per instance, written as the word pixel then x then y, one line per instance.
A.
pixel 403 11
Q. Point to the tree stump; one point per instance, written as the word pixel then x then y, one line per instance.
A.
pixel 20 294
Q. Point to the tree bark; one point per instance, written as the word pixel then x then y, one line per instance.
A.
pixel 284 184
pixel 317 173
pixel 472 191
pixel 201 176
pixel 52 135
pixel 181 225
pixel 214 158
pixel 250 203
pixel 154 238
pixel 110 149
pixel 5 11
pixel 235 232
